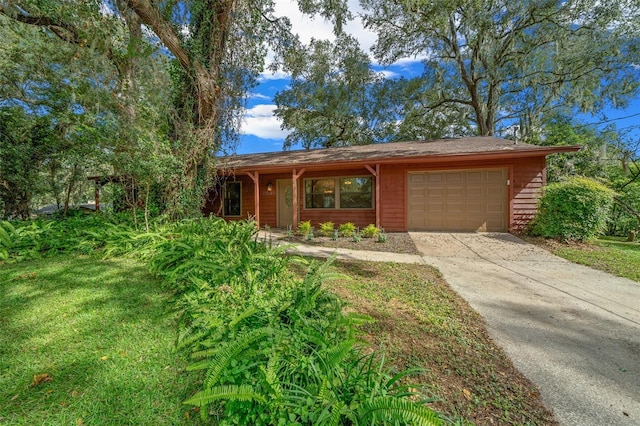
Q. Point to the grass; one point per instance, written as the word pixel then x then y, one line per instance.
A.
pixel 609 254
pixel 421 322
pixel 87 341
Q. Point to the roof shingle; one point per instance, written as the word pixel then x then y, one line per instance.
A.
pixel 384 151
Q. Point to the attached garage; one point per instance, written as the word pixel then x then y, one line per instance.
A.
pixel 467 185
pixel 458 200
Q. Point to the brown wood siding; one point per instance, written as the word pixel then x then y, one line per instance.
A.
pixel 527 177
pixel 528 180
pixel 392 198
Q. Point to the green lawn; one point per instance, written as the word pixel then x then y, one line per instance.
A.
pixel 421 322
pixel 88 342
pixel 610 255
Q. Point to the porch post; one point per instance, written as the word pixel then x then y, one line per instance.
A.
pixel 294 182
pixel 376 174
pixel 255 177
pixel 96 188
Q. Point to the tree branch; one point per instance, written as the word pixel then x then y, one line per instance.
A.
pixel 163 29
pixel 61 29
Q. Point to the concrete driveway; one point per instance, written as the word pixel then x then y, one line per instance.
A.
pixel 572 330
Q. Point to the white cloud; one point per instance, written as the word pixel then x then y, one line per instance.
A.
pixel 389 75
pixel 321 29
pixel 256 95
pixel 259 121
pixel 270 75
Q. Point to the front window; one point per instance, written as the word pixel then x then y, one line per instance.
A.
pixel 232 199
pixel 356 193
pixel 320 193
pixel 339 193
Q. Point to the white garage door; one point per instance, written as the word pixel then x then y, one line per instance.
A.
pixel 458 200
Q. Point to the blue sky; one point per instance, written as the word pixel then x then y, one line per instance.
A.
pixel 261 130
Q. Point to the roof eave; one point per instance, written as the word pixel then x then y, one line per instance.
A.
pixel 431 158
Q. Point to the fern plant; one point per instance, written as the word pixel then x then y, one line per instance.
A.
pixel 6 239
pixel 347 229
pixel 370 231
pixel 326 229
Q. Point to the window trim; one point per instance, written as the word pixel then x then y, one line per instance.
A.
pixel 336 192
pixel 224 198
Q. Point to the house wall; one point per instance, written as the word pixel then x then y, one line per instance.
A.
pixel 393 193
pixel 527 177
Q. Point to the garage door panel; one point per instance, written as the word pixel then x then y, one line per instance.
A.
pixel 474 176
pixel 435 192
pixel 495 175
pixel 475 208
pixel 417 178
pixel 453 177
pixel 475 191
pixel 455 192
pixel 436 207
pixel 458 200
pixel 495 208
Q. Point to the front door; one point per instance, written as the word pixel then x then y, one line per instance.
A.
pixel 284 191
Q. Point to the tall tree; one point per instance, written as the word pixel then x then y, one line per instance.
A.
pixel 511 62
pixel 335 99
pixel 106 40
pixel 55 93
pixel 331 99
pixel 219 48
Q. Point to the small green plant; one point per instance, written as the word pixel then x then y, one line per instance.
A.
pixel 289 231
pixel 304 228
pixel 382 236
pixel 326 229
pixel 347 229
pixel 310 235
pixel 356 237
pixel 335 235
pixel 370 231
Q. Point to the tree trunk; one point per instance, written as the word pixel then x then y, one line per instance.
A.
pixel 72 182
pixel 197 130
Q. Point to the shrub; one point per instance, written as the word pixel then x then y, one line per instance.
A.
pixel 621 220
pixel 326 229
pixel 347 229
pixel 382 236
pixel 275 348
pixel 576 209
pixel 291 356
pixel 304 228
pixel 370 231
